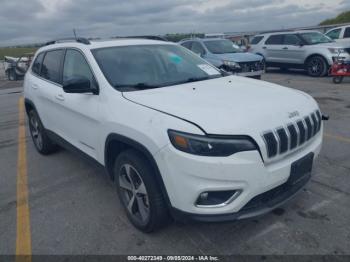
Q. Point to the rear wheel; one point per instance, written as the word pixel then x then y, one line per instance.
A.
pixel 11 75
pixel 316 66
pixel 41 141
pixel 138 191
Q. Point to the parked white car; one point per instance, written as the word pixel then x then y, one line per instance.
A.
pixel 177 136
pixel 309 50
pixel 341 35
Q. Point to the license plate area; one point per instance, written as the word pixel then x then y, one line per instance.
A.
pixel 301 169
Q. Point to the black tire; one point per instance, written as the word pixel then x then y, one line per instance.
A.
pixel 316 66
pixel 42 142
pixel 338 79
pixel 149 200
pixel 11 75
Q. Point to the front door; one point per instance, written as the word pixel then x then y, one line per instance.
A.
pixel 79 115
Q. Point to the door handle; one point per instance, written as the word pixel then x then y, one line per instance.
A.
pixel 264 47
pixel 59 97
pixel 35 86
pixel 285 48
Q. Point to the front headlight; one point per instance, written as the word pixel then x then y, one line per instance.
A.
pixel 211 145
pixel 231 64
pixel 336 50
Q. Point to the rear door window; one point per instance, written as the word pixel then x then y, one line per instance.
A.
pixel 256 40
pixel 51 66
pixel 274 40
pixel 37 63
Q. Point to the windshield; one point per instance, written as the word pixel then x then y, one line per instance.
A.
pixel 151 66
pixel 313 38
pixel 221 46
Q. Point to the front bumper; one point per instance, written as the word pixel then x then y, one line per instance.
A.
pixel 186 176
pixel 251 74
pixel 259 205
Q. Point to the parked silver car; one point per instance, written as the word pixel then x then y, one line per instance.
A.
pixel 309 50
pixel 224 54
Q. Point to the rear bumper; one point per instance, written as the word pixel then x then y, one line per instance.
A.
pixel 259 205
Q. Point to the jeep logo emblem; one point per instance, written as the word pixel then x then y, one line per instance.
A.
pixel 293 114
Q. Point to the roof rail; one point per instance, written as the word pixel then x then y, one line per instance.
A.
pixel 150 37
pixel 190 38
pixel 63 40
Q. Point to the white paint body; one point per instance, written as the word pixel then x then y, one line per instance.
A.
pixel 230 105
pixel 343 37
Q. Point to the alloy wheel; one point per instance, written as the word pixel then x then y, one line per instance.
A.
pixel 315 66
pixel 134 194
pixel 35 131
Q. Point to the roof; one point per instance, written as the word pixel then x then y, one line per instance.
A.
pixel 289 32
pixel 203 39
pixel 104 43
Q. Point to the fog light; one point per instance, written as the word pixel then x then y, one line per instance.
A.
pixel 216 198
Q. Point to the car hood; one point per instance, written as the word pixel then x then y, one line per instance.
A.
pixel 228 105
pixel 239 57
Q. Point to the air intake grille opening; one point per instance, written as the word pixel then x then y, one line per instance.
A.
pixel 302 132
pixel 293 135
pixel 282 135
pixel 271 144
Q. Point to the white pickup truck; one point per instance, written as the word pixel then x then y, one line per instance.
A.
pixel 341 35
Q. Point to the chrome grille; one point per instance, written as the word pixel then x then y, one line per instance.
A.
pixel 283 139
pixel 251 66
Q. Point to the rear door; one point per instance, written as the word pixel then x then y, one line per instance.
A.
pixel 274 49
pixel 78 115
pixel 46 86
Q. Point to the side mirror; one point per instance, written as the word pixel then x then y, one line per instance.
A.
pixel 79 85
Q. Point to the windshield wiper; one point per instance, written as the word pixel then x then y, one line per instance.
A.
pixel 195 79
pixel 141 86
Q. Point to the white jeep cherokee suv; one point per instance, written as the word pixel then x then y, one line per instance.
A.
pixel 178 137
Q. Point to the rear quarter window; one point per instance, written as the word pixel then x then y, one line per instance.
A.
pixel 256 40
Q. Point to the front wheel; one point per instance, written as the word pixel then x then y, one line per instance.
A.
pixel 338 79
pixel 316 66
pixel 139 192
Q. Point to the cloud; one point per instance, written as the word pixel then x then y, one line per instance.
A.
pixel 42 20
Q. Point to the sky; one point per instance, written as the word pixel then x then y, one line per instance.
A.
pixel 32 21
